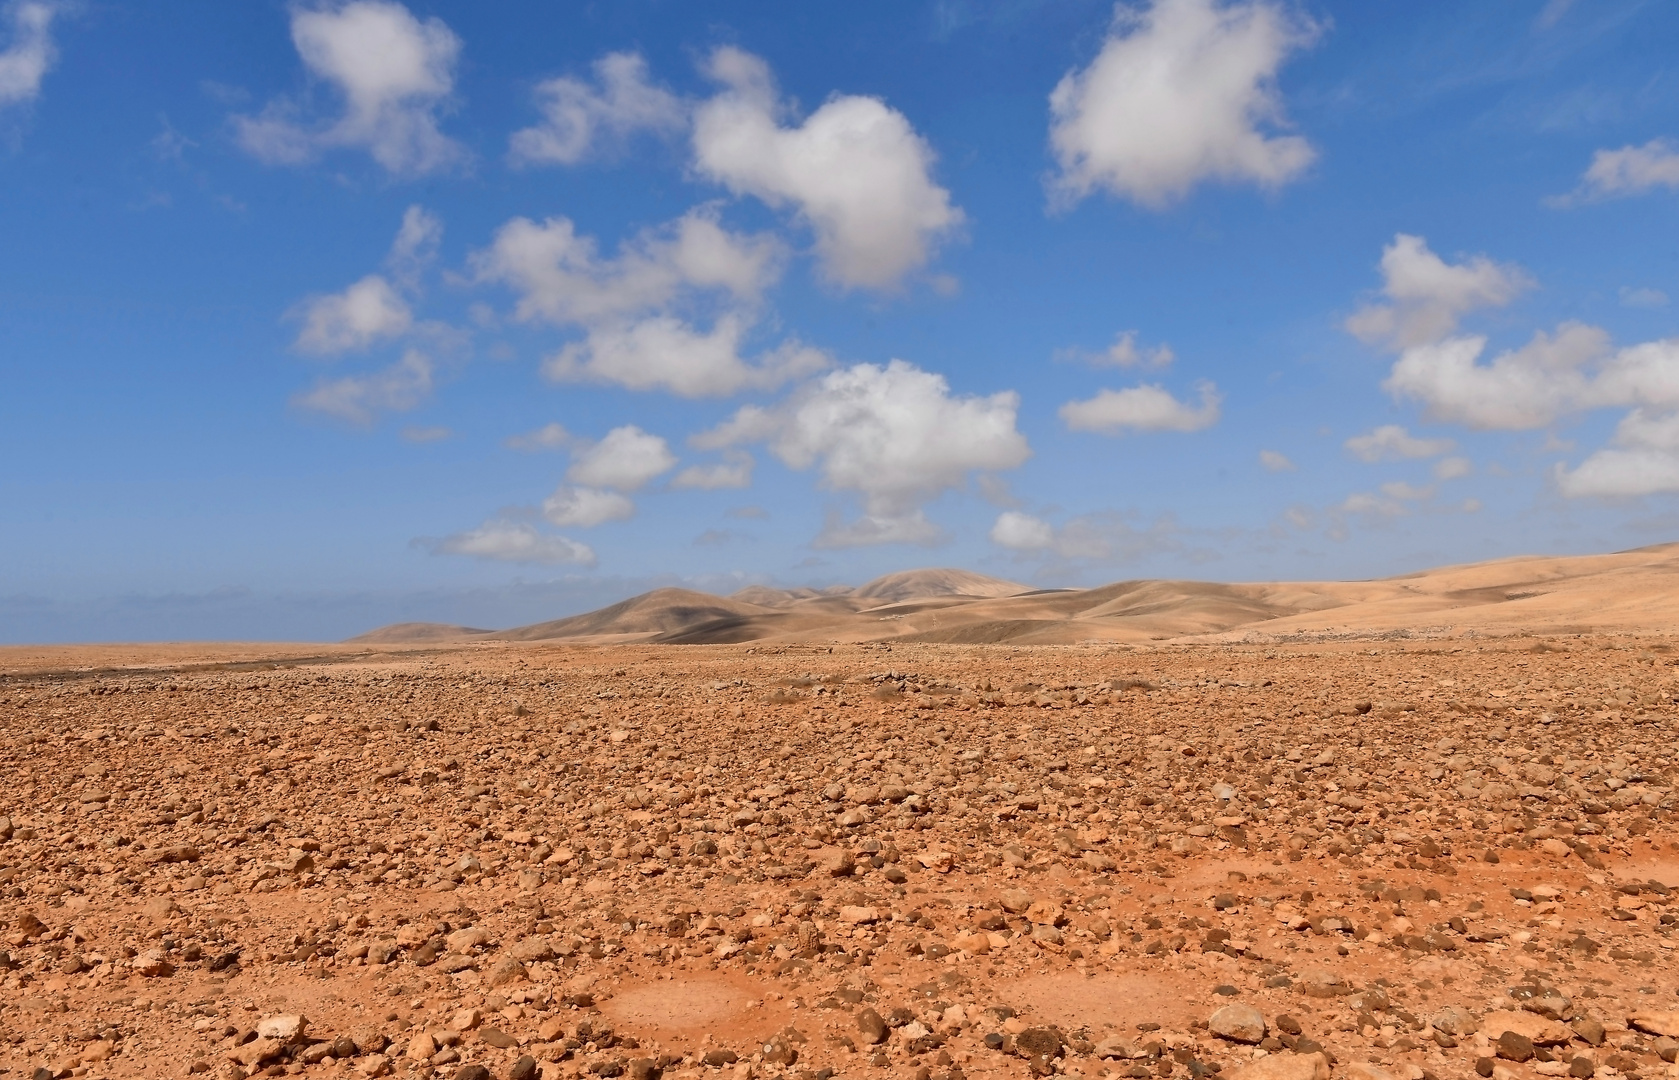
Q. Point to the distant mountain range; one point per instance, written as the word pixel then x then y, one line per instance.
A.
pixel 1629 591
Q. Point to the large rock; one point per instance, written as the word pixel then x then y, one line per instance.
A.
pixel 1531 1026
pixel 1238 1023
pixel 1283 1067
pixel 1656 1022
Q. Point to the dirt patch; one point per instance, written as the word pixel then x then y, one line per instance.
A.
pixel 1071 1000
pixel 727 1009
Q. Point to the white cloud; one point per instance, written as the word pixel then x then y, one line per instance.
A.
pixel 1125 353
pixel 578 119
pixel 665 353
pixel 632 337
pixel 1275 462
pixel 1642 297
pixel 415 246
pixel 1426 295
pixel 1400 489
pixel 547 437
pixel 1390 442
pixel 30 55
pixel 1523 388
pixel 585 507
pixel 560 277
pixel 514 541
pixel 733 472
pixel 1452 468
pixel 855 170
pixel 1182 91
pixel 359 398
pixel 364 313
pixel 1367 505
pixel 894 435
pixel 1644 462
pixel 1631 170
pixel 625 459
pixel 395 74
pixel 373 308
pixel 1022 532
pixel 1142 408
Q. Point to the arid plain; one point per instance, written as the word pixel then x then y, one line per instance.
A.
pixel 935 827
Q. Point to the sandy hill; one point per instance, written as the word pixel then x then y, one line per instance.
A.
pixel 411 633
pixel 1625 591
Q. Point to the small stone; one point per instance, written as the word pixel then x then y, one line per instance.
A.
pixel 1590 1030
pixel 1288 1024
pixel 1552 1006
pixel 1238 1023
pixel 1016 901
pixel 839 864
pixel 421 1047
pixel 1513 1046
pixel 1581 1068
pixel 286 1027
pixel 506 970
pixel 464 941
pixel 497 1038
pixel 472 1072
pixel 466 1019
pixel 871 1027
pixel 1454 1020
pixel 525 1068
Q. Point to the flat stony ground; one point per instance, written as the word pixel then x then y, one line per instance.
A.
pixel 907 861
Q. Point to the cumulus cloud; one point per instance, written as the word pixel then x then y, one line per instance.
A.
pixel 1142 408
pixel 735 471
pixel 1101 538
pixel 415 246
pixel 1452 468
pixel 372 309
pixel 579 119
pixel 395 74
pixel 663 352
pixel 585 507
pixel 1631 170
pixel 1182 91
pixel 1125 353
pixel 1273 461
pixel 561 278
pixel 626 459
pixel 635 308
pixel 30 54
pixel 1425 295
pixel 1573 370
pixel 514 541
pixel 1521 388
pixel 1391 442
pixel 854 170
pixel 894 435
pixel 359 399
pixel 364 313
pixel 1022 532
pixel 550 436
pixel 1643 461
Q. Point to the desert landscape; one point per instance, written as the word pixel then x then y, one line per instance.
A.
pixel 937 827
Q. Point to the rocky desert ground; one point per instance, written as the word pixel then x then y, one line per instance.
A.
pixel 1376 859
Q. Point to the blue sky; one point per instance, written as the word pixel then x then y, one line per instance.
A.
pixel 324 315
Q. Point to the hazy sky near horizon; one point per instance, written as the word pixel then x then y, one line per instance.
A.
pixel 321 315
